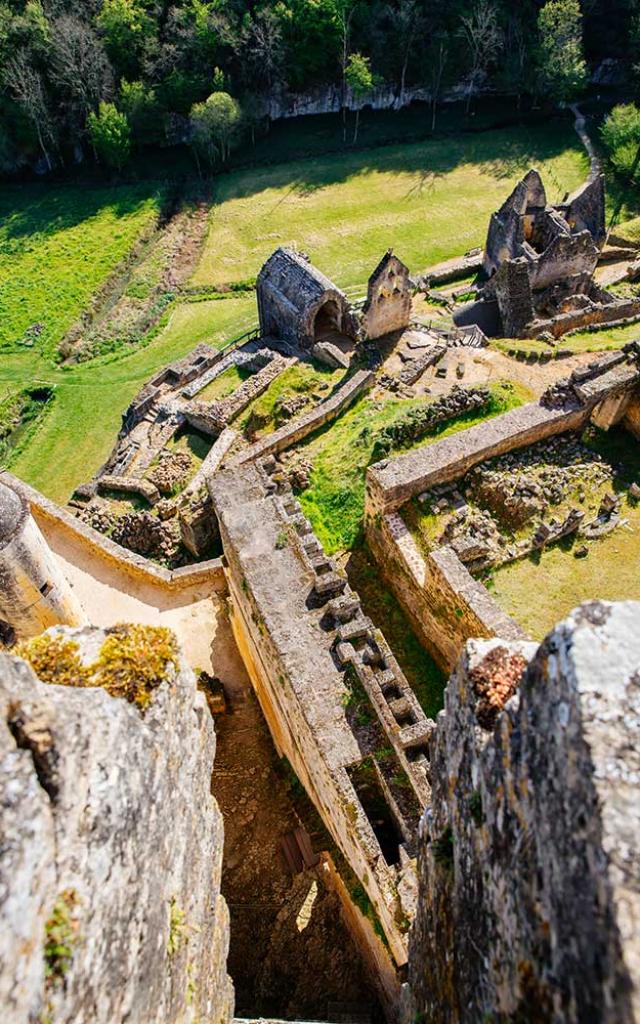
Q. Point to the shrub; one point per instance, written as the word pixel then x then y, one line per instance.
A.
pixel 110 135
pixel 621 137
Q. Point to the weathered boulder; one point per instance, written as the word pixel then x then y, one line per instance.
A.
pixel 529 872
pixel 110 858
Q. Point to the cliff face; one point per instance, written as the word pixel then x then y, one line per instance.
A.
pixel 529 869
pixel 110 856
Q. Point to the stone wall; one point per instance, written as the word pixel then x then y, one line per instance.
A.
pixel 615 313
pixel 392 482
pixel 314 658
pixel 388 304
pixel 136 568
pixel 529 905
pixel 304 425
pixel 632 416
pixel 445 604
pixel 212 417
pixel 108 823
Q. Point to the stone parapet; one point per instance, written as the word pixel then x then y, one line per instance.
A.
pixel 529 895
pixel 111 858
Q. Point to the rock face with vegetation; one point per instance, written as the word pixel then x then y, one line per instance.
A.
pixel 110 862
pixel 528 863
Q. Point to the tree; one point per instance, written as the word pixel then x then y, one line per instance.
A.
pixel 27 85
pixel 621 136
pixel 143 111
pixel 562 65
pixel 437 56
pixel 126 27
pixel 215 126
pixel 110 135
pixel 260 49
pixel 79 68
pixel 344 11
pixel 360 81
pixel 483 37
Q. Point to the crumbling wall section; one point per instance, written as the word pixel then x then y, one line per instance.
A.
pixel 445 604
pixel 529 904
pixel 110 866
pixel 388 304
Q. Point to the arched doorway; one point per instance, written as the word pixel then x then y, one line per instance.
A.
pixel 327 320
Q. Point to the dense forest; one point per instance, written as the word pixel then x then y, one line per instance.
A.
pixel 107 77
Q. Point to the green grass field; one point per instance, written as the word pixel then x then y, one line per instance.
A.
pixel 57 246
pixel 429 200
pixel 340 454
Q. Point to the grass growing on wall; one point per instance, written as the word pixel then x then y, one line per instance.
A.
pixel 340 454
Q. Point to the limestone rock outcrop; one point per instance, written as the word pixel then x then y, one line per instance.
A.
pixel 529 872
pixel 110 857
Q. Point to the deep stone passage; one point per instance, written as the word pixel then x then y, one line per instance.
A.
pixel 291 956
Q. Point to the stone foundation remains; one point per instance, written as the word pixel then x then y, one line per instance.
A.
pixel 445 604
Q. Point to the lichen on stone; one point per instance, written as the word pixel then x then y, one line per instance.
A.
pixel 55 659
pixel 132 662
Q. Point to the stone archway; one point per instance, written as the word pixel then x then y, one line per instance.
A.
pixel 327 320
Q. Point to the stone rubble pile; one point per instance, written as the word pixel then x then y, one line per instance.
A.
pixel 145 534
pixel 171 472
pixel 514 493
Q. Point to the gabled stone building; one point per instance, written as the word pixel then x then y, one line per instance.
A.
pixel 388 305
pixel 298 304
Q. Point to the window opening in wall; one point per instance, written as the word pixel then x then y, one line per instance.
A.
pixel 367 786
pixel 46 589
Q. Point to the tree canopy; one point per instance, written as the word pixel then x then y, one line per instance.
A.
pixel 155 62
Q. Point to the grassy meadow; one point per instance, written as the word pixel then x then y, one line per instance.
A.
pixel 60 244
pixel 430 200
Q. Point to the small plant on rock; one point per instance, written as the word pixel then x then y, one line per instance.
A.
pixel 61 935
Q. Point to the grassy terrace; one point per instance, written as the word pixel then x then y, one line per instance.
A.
pixel 541 590
pixel 58 246
pixel 340 454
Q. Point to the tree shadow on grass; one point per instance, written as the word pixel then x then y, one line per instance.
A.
pixel 500 153
pixel 42 209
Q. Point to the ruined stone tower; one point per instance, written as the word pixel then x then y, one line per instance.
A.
pixel 34 593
